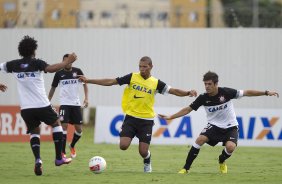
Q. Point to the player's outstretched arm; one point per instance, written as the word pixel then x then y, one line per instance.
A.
pixel 58 66
pixel 102 82
pixel 85 102
pixel 260 93
pixel 180 92
pixel 180 113
pixel 51 93
pixel 3 88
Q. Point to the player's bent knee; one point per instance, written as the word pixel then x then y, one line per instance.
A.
pixel 143 153
pixel 79 131
pixel 78 128
pixel 201 140
pixel 35 131
pixel 230 148
pixel 123 147
pixel 56 123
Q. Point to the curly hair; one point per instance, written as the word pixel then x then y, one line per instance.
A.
pixel 27 46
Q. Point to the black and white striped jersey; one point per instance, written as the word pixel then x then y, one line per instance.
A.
pixel 30 82
pixel 69 86
pixel 219 108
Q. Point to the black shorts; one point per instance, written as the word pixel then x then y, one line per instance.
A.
pixel 70 114
pixel 141 128
pixel 34 116
pixel 216 134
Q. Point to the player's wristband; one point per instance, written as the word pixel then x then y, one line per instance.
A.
pixel 266 92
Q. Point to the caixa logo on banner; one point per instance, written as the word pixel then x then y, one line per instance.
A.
pixel 266 130
pixel 184 128
pixel 247 128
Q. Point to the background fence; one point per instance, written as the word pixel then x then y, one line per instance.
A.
pixel 243 58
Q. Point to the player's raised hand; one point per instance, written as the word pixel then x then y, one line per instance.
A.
pixel 82 78
pixel 85 103
pixel 192 93
pixel 71 58
pixel 3 88
pixel 272 93
pixel 166 117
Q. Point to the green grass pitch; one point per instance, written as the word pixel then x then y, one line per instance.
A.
pixel 247 165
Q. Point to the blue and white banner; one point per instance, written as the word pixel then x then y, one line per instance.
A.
pixel 257 127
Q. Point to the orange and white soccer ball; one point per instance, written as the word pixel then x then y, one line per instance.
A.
pixel 97 164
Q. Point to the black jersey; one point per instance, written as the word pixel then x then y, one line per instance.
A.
pixel 30 82
pixel 219 108
pixel 162 88
pixel 69 86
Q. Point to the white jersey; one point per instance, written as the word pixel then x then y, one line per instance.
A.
pixel 69 86
pixel 30 82
pixel 219 108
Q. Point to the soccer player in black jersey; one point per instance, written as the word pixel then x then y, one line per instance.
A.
pixel 70 106
pixel 222 123
pixel 138 105
pixel 35 106
pixel 3 87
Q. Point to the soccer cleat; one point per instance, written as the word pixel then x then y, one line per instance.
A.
pixel 183 171
pixel 38 167
pixel 63 161
pixel 223 168
pixel 72 152
pixel 147 168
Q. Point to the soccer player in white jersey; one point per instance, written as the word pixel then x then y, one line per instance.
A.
pixel 3 87
pixel 70 106
pixel 35 106
pixel 222 123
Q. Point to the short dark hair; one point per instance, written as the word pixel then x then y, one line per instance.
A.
pixel 211 76
pixel 146 58
pixel 66 55
pixel 27 46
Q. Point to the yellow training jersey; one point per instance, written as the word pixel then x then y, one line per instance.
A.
pixel 139 96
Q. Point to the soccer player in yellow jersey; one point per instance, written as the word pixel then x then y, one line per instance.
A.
pixel 137 104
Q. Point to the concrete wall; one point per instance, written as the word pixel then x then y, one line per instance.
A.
pixel 243 58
